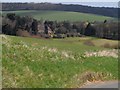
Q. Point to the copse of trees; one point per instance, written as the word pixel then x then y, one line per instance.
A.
pixel 108 30
pixel 90 30
pixel 105 29
pixel 26 26
pixel 12 23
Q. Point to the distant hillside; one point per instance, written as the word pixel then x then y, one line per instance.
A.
pixel 60 15
pixel 111 12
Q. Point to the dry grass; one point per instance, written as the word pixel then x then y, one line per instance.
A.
pixel 112 46
pixel 89 43
pixel 106 53
pixel 93 76
pixel 105 43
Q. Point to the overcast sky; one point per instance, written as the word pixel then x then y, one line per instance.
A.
pixel 97 3
pixel 60 0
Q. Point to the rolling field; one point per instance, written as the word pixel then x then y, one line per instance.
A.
pixel 60 15
pixel 56 63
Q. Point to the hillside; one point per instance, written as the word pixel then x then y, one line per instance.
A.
pixel 56 63
pixel 60 15
pixel 111 12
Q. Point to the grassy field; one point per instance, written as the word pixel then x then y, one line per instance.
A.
pixel 55 63
pixel 60 15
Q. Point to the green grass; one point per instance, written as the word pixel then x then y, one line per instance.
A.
pixel 60 15
pixel 53 63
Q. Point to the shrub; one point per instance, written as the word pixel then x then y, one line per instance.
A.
pixel 68 35
pixel 23 33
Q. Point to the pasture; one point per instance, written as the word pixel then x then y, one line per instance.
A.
pixel 56 63
pixel 60 15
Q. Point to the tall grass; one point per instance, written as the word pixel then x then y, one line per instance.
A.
pixel 35 63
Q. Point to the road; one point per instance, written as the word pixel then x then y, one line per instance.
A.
pixel 107 84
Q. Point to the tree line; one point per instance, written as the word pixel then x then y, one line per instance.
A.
pixel 111 12
pixel 26 26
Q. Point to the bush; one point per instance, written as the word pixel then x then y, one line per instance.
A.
pixel 59 36
pixel 23 33
pixel 68 35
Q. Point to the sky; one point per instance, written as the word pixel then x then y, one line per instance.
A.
pixel 96 3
